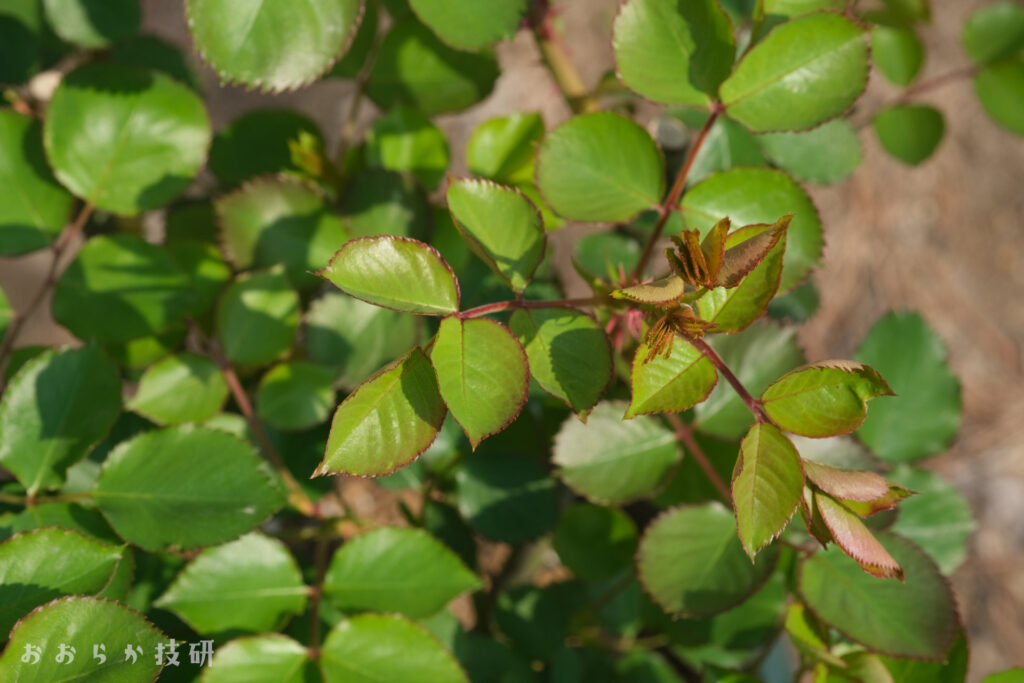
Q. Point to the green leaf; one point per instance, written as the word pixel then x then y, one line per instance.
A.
pixel 279 220
pixel 395 272
pixel 669 383
pixel 206 271
pixel 501 226
pixel 600 167
pixel 502 148
pixel 387 421
pixel 722 578
pixel 482 373
pixel 269 658
pixel 379 202
pixel 1015 675
pixel 252 584
pixel 58 406
pixel 185 486
pixel 911 133
pixel 258 317
pixel 273 44
pixel 608 460
pixel 37 566
pixel 898 53
pixel 760 195
pixel 925 417
pixel 396 570
pixel 469 24
pixel 372 647
pixel 295 395
pixel 6 314
pixel 79 622
pixel 595 542
pixel 569 354
pixel 756 356
pixel 354 337
pixel 673 51
pixel 119 288
pixel 828 398
pixel 952 670
pixel 1000 88
pixel 123 139
pixel 93 23
pixel 506 497
pixel 925 623
pixel 994 32
pixel 803 73
pixel 406 140
pixel 33 207
pixel 939 519
pixel 601 254
pixel 734 309
pixel 182 388
pixel 825 155
pixel 767 484
pixel 415 68
pixel 256 143
pixel 794 8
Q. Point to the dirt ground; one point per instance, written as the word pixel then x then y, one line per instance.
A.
pixel 946 238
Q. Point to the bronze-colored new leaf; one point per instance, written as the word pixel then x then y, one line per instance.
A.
pixel 855 539
pixel 745 256
pixel 660 292
pixel 698 263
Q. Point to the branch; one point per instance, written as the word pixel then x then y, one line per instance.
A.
pixel 666 207
pixel 316 591
pixel 499 306
pixel 685 434
pixel 938 81
pixel 716 360
pixel 57 250
pixel 557 60
pixel 296 496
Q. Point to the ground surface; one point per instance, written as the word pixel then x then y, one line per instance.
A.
pixel 946 239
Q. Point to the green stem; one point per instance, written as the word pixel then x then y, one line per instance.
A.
pixel 668 206
pixel 557 60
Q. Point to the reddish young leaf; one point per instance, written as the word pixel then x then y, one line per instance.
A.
pixel 745 256
pixel 887 502
pixel 855 539
pixel 846 484
pixel 812 518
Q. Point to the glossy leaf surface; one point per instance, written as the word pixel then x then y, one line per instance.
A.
pixel 273 44
pixel 295 395
pixel 395 272
pixel 767 483
pixel 468 24
pixel 387 421
pixel 270 658
pixel 803 73
pixel 182 388
pixel 124 139
pixel 669 383
pixel 482 373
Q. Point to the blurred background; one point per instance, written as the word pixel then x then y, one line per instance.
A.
pixel 946 238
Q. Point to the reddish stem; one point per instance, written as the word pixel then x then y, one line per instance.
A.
pixel 666 207
pixel 57 250
pixel 938 81
pixel 499 306
pixel 296 496
pixel 755 406
pixel 685 434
